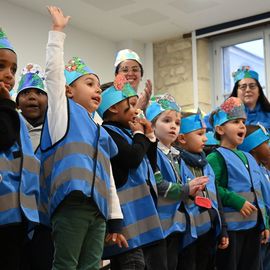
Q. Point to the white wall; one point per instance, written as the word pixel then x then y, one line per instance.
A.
pixel 28 33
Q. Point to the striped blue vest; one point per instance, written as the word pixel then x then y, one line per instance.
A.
pixel 141 222
pixel 69 164
pixel 200 218
pixel 19 181
pixel 247 183
pixel 172 219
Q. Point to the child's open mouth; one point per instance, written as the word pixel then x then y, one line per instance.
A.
pixel 240 134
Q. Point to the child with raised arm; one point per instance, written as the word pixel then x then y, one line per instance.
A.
pixel 19 169
pixel 133 176
pixel 238 180
pixel 173 190
pixel 75 160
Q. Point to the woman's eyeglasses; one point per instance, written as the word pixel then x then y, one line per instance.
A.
pixel 244 86
pixel 132 69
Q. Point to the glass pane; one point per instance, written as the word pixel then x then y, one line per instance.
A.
pixel 243 54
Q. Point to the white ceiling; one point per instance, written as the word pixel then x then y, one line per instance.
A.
pixel 148 20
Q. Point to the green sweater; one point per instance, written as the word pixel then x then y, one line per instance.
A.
pixel 228 198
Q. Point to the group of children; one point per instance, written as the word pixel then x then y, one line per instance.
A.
pixel 138 189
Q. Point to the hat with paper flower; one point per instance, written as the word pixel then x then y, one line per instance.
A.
pixel 254 139
pixel 76 68
pixel 126 54
pixel 159 104
pixel 32 76
pixel 120 90
pixel 192 122
pixel 4 42
pixel 244 72
pixel 230 109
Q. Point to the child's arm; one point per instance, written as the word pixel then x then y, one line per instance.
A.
pixel 55 79
pixel 9 120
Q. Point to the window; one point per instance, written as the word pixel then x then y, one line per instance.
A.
pixel 231 51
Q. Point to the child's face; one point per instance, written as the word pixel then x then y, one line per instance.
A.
pixel 86 91
pixel 126 111
pixel 232 133
pixel 33 103
pixel 194 141
pixel 8 68
pixel 132 71
pixel 167 127
pixel 262 154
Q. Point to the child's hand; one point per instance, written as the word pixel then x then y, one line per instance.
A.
pixel 118 239
pixel 223 243
pixel 247 209
pixel 145 96
pixel 4 92
pixel 58 19
pixel 147 125
pixel 265 236
pixel 197 184
pixel 136 126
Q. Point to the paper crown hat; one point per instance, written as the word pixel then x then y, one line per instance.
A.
pixel 32 76
pixel 244 72
pixel 76 68
pixel 192 122
pixel 120 90
pixel 254 139
pixel 230 109
pixel 211 140
pixel 4 42
pixel 159 104
pixel 126 54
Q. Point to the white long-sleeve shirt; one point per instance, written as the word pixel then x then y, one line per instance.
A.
pixel 57 114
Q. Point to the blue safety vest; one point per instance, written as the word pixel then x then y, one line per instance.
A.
pixel 19 181
pixel 247 183
pixel 172 219
pixel 141 224
pixel 199 218
pixel 80 161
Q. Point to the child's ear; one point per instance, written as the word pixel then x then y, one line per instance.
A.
pixel 219 130
pixel 69 91
pixel 181 139
pixel 113 109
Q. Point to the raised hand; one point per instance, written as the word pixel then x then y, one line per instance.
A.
pixel 4 91
pixel 59 20
pixel 145 96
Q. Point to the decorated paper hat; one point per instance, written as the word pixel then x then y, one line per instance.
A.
pixel 159 104
pixel 4 42
pixel 254 139
pixel 120 90
pixel 192 122
pixel 126 54
pixel 211 140
pixel 75 69
pixel 244 72
pixel 32 76
pixel 230 109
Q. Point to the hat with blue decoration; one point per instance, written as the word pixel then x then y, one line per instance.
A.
pixel 120 90
pixel 32 76
pixel 76 68
pixel 159 104
pixel 230 109
pixel 4 42
pixel 244 72
pixel 126 54
pixel 254 139
pixel 192 122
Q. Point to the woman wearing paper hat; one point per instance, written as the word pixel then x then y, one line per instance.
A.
pixel 248 88
pixel 129 63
